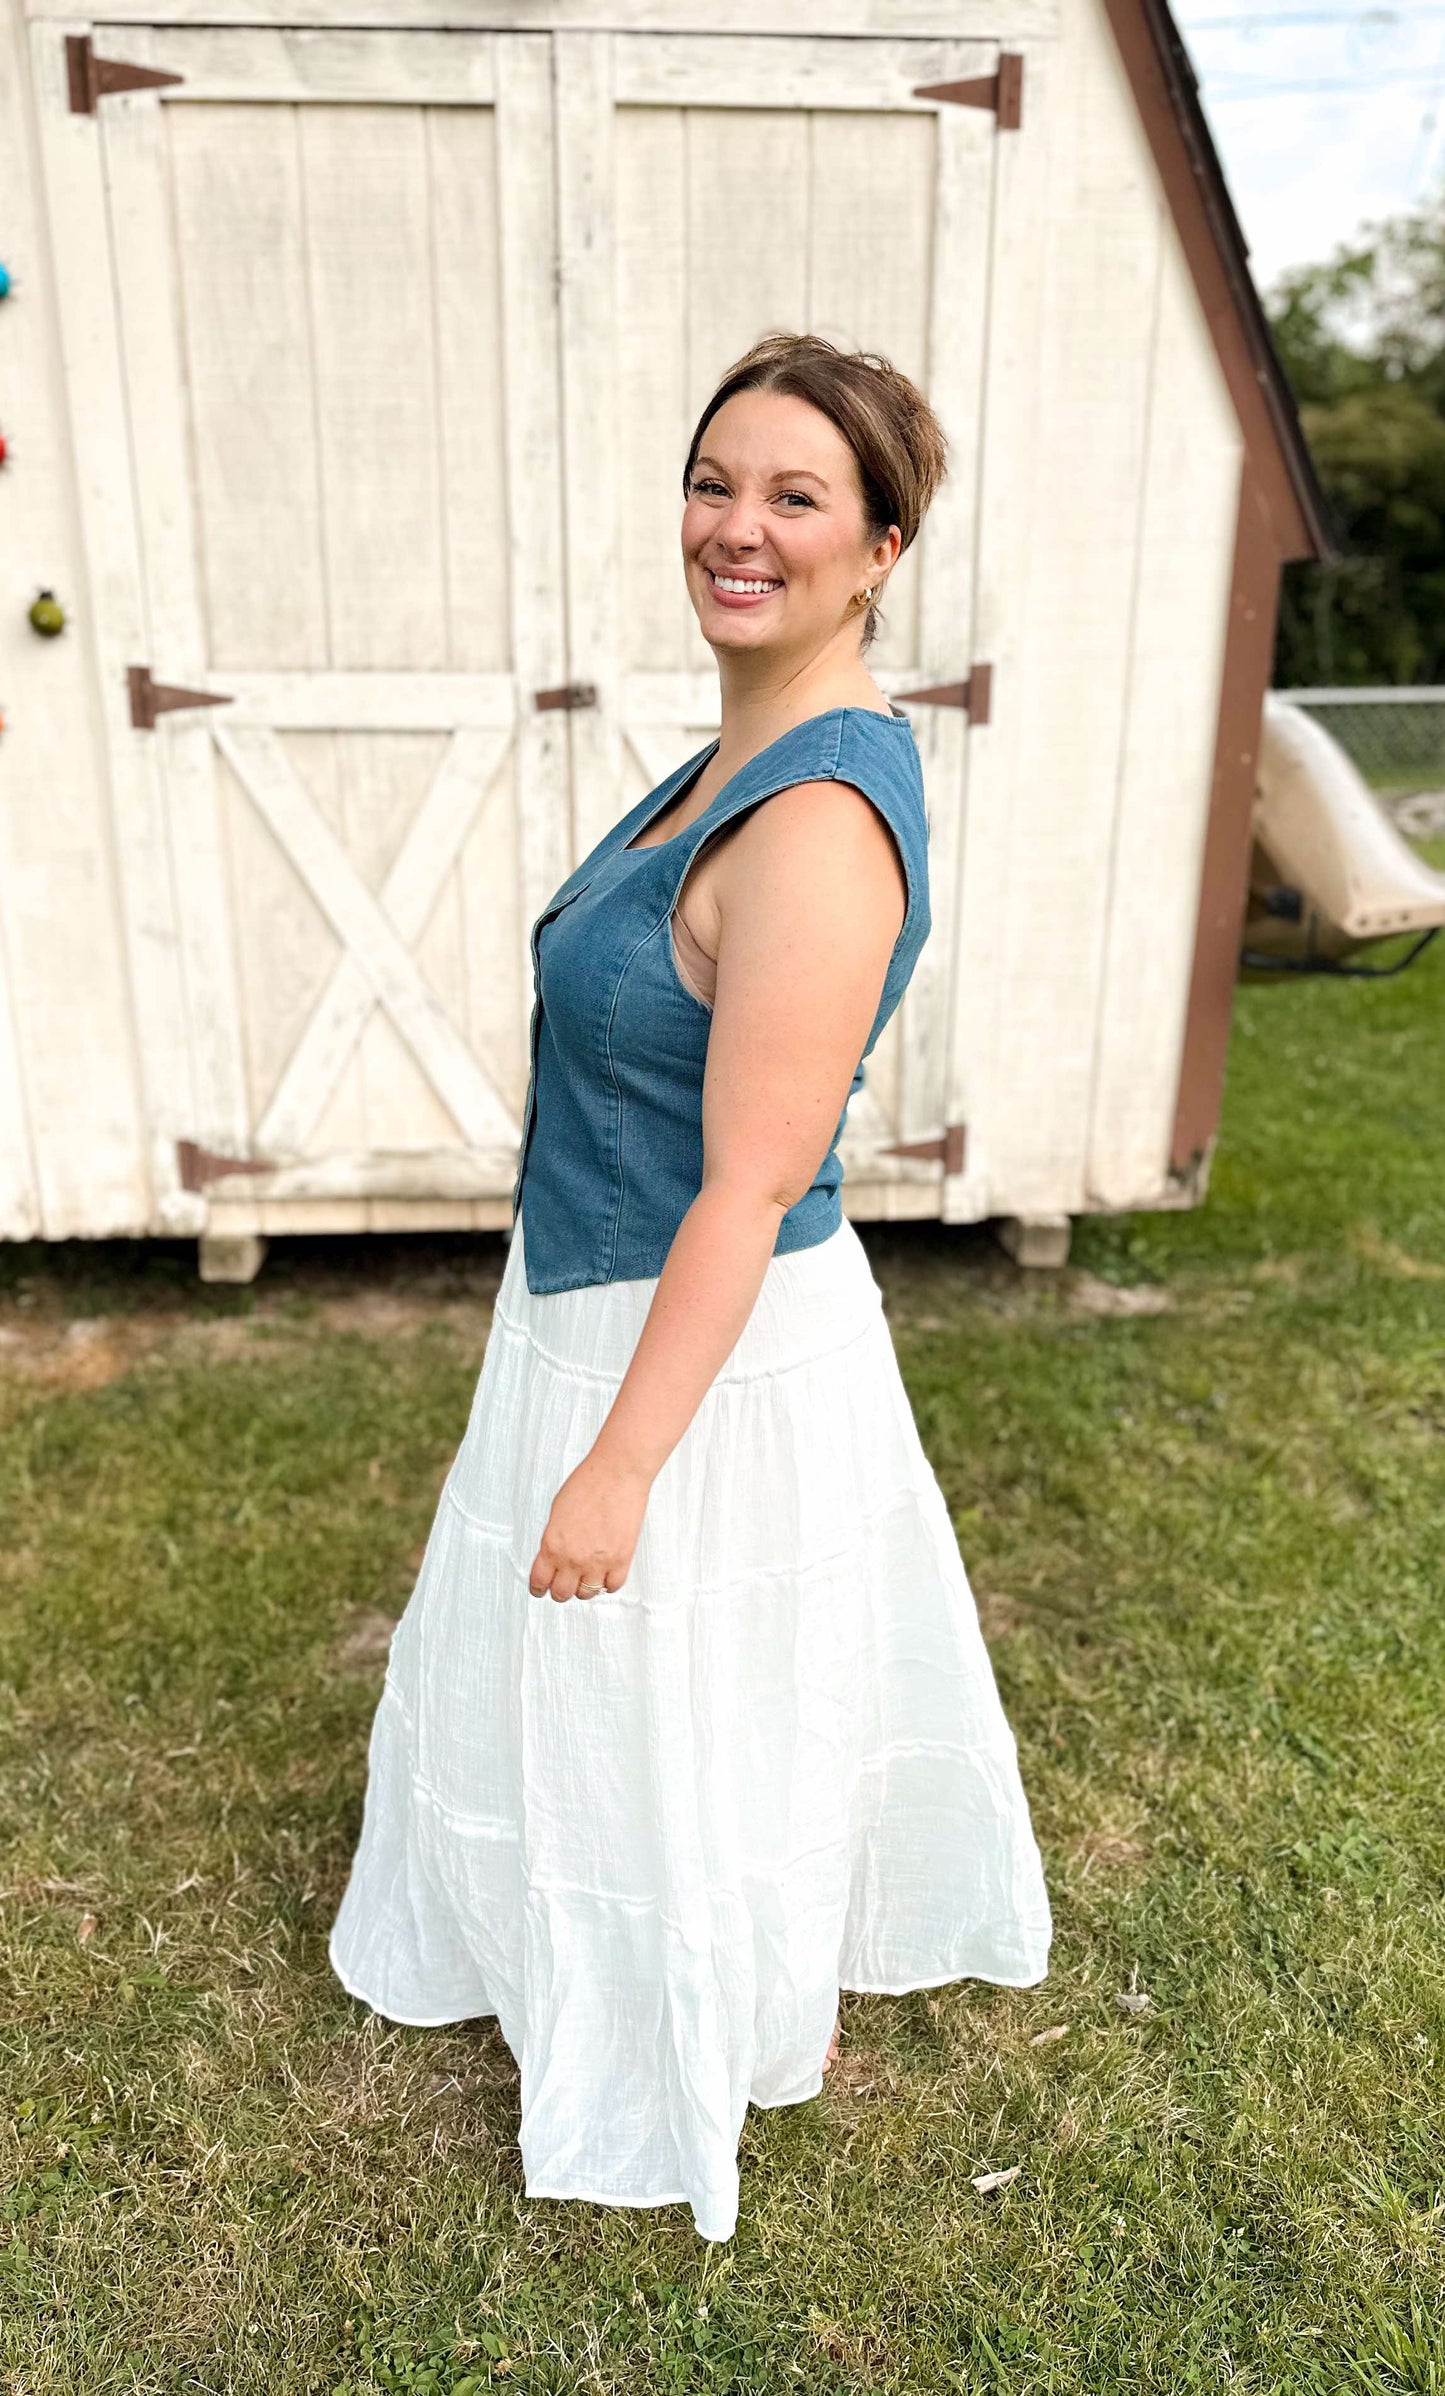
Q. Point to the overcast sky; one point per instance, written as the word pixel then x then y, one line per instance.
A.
pixel 1325 116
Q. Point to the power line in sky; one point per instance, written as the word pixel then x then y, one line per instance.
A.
pixel 1372 19
pixel 1225 85
pixel 1230 86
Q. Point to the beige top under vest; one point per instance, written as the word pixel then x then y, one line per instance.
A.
pixel 697 971
pixel 695 967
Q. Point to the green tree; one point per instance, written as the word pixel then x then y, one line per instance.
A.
pixel 1362 338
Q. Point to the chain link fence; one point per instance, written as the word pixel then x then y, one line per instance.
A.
pixel 1396 736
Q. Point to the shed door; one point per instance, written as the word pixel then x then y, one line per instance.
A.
pixel 324 359
pixel 711 189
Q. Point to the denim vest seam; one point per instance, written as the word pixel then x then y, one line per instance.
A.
pixel 554 906
pixel 623 971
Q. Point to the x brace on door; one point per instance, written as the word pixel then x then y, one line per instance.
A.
pixel 378 967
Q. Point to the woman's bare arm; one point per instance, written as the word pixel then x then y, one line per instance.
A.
pixel 811 896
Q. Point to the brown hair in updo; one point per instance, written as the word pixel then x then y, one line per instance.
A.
pixel 896 439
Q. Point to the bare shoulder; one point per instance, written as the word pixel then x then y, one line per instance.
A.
pixel 826 835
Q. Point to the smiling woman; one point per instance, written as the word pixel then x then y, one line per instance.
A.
pixel 763 1758
pixel 885 460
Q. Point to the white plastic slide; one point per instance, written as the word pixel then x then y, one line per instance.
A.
pixel 1330 873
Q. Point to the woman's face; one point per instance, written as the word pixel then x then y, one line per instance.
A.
pixel 774 543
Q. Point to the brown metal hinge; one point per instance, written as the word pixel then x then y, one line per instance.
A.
pixel 149 699
pixel 975 696
pixel 950 1148
pixel 1003 92
pixel 92 78
pixel 569 694
pixel 199 1165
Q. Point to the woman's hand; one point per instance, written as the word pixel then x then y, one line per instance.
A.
pixel 591 1531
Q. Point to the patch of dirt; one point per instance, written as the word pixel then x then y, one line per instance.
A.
pixel 1211 1304
pixel 30 1889
pixel 84 1353
pixel 998 1613
pixel 1085 1293
pixel 1367 1243
pixel 371 2072
pixel 363 1646
pixel 226 1337
pixel 860 2072
pixel 376 1313
pixel 87 1351
pixel 859 2350
pixel 1111 1848
pixel 1287 1271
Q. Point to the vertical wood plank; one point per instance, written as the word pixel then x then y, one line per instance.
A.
pixel 657 402
pixel 72 1158
pixel 476 937
pixel 20 1217
pixel 592 511
pixel 471 386
pixel 1191 472
pixel 239 234
pixel 875 187
pixel 748 200
pixel 1071 334
pixel 75 197
pixel 1008 438
pixel 872 196
pixel 944 564
pixel 136 172
pixel 525 187
pixel 368 257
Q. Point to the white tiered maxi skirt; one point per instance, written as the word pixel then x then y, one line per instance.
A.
pixel 655 1832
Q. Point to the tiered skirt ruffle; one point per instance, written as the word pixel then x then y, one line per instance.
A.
pixel 655 1831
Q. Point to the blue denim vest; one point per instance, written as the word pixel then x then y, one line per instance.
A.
pixel 611 1155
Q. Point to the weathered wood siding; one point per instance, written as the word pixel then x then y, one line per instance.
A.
pixel 70 1117
pixel 1109 475
pixel 353 379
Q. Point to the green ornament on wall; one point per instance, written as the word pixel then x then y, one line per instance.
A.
pixel 46 614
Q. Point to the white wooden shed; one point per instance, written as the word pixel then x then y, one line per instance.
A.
pixel 346 374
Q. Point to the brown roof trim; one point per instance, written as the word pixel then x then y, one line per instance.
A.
pixel 1228 838
pixel 1166 93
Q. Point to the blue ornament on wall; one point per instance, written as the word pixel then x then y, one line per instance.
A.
pixel 4 280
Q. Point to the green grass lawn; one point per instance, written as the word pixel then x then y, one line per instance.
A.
pixel 1208 1543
